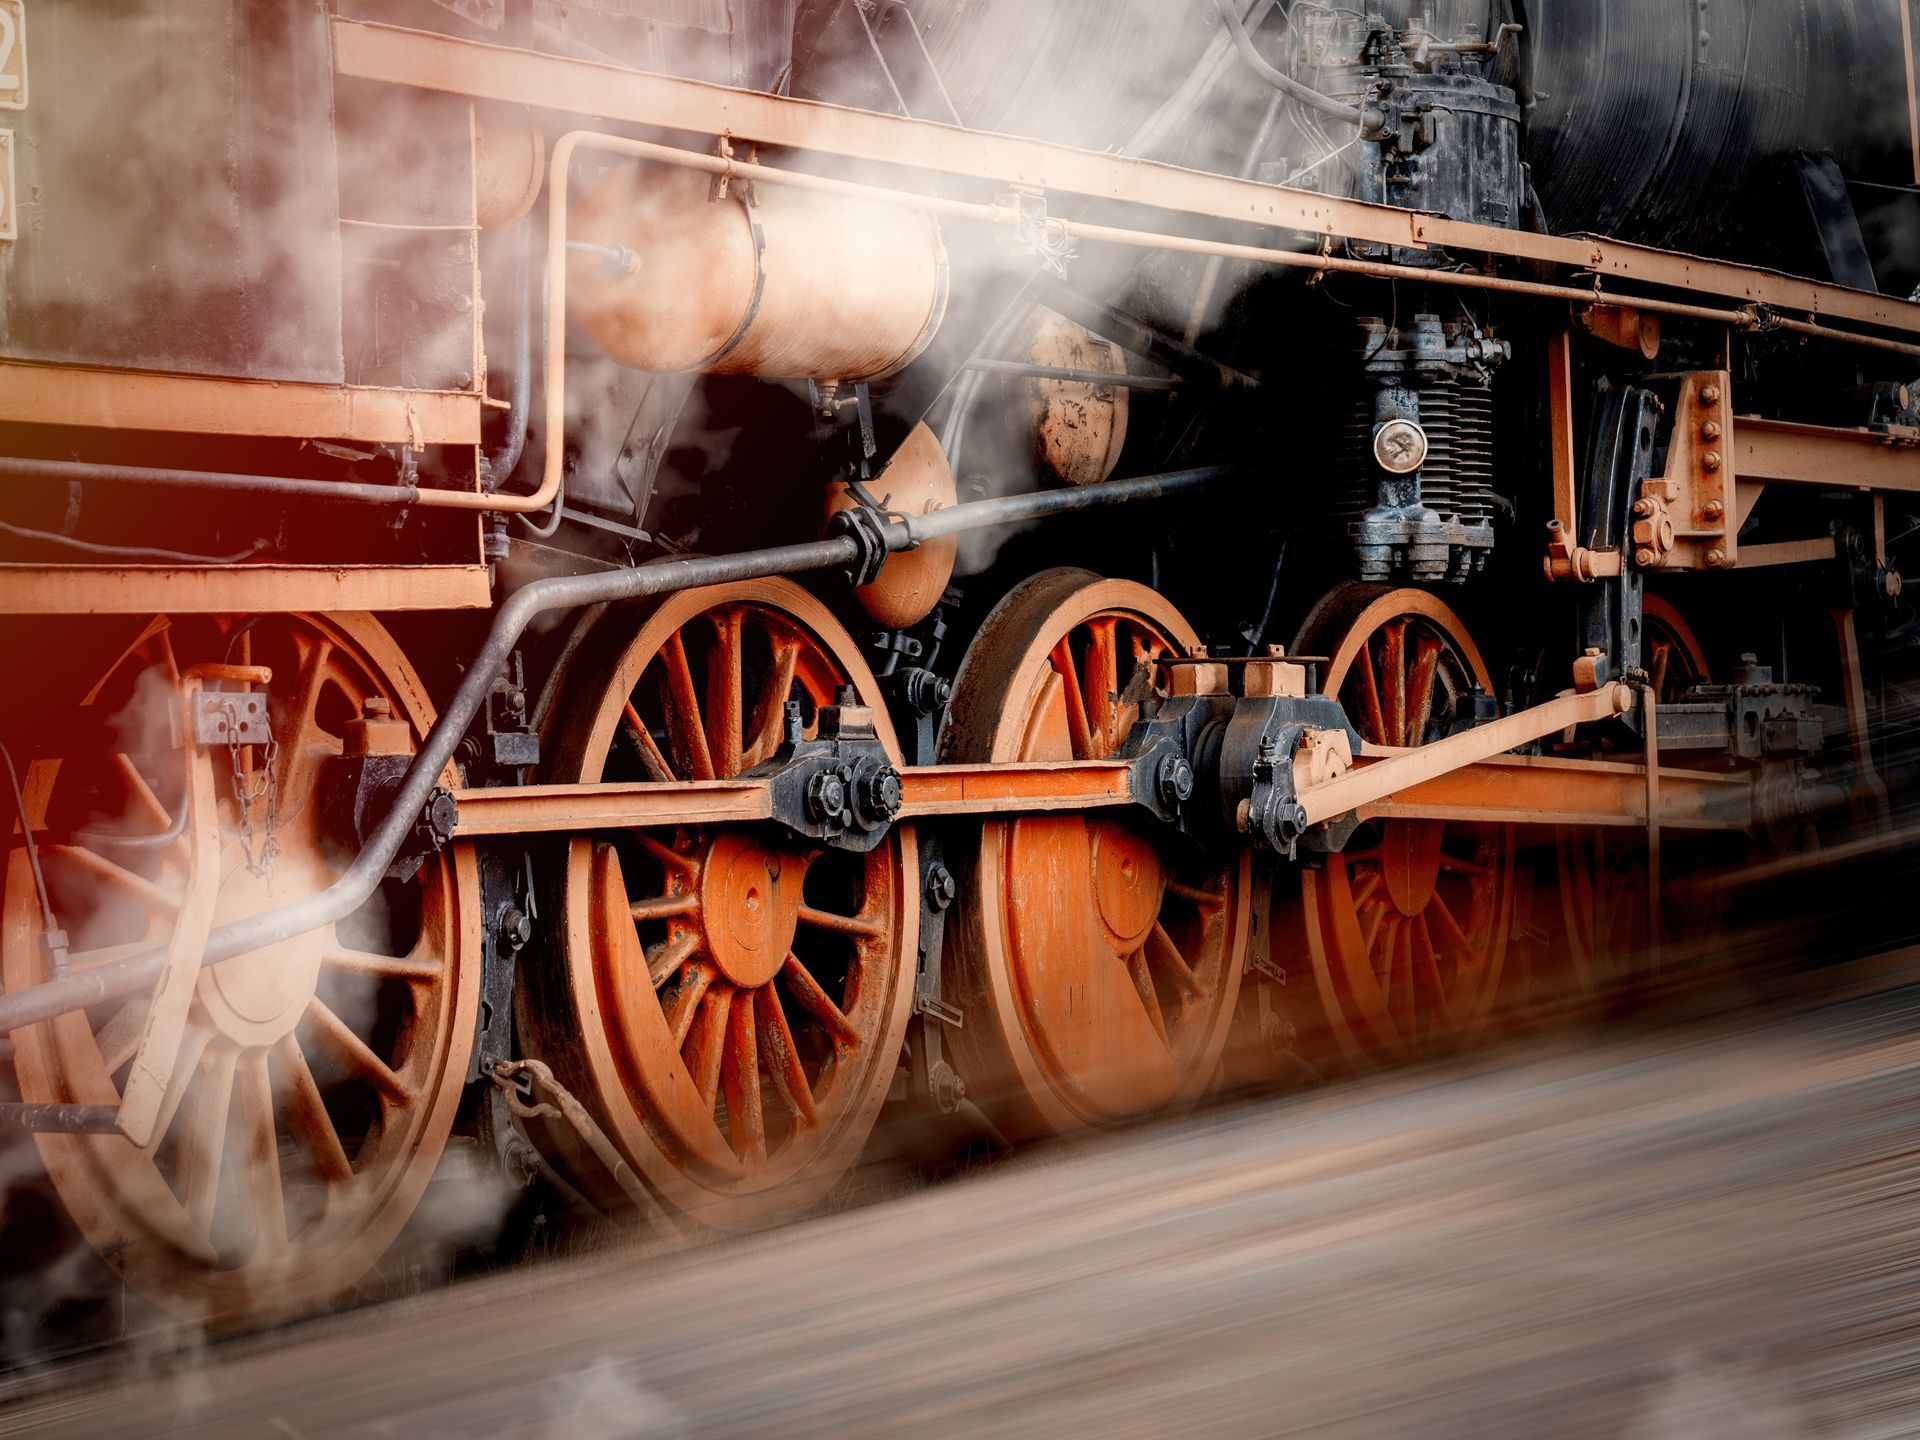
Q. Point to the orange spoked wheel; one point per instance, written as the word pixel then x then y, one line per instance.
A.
pixel 1602 874
pixel 729 1001
pixel 1408 927
pixel 316 1081
pixel 1096 963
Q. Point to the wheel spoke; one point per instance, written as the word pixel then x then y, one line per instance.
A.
pixel 817 1003
pixel 782 1057
pixel 1429 968
pixel 1393 675
pixel 1206 899
pixel 299 731
pixel 708 1044
pixel 726 683
pixel 1364 891
pixel 120 1037
pixel 1172 961
pixel 98 867
pixel 858 926
pixel 740 1076
pixel 1426 669
pixel 686 729
pixel 665 907
pixel 260 1156
pixel 651 759
pixel 203 1138
pixel 1149 997
pixel 686 1000
pixel 669 955
pixel 1373 718
pixel 667 855
pixel 140 793
pixel 1102 683
pixel 770 718
pixel 1454 865
pixel 1455 937
pixel 351 1051
pixel 307 1112
pixel 380 967
pixel 1078 732
pixel 1371 933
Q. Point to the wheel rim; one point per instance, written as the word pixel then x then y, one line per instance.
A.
pixel 732 1002
pixel 1408 927
pixel 1097 969
pixel 1603 877
pixel 317 1081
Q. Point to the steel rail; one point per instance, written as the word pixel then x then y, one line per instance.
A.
pixel 565 592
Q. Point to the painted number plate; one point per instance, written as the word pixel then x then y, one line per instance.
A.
pixel 13 54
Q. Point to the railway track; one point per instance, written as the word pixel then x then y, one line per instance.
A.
pixel 1692 1228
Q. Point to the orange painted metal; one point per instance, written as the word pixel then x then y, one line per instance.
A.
pixel 437 62
pixel 282 1045
pixel 211 404
pixel 768 282
pixel 1407 928
pixel 729 1003
pixel 917 481
pixel 1545 790
pixel 239 589
pixel 1683 518
pixel 1778 451
pixel 1096 972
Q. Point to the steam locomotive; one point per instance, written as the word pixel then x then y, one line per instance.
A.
pixel 638 581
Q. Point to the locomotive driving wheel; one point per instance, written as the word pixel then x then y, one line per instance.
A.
pixel 316 1080
pixel 1408 927
pixel 1602 874
pixel 730 1002
pixel 1095 965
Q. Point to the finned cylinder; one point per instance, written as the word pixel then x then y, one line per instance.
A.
pixel 767 281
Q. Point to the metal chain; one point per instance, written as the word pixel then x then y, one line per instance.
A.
pixel 246 794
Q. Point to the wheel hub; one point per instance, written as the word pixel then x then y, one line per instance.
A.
pixel 1128 884
pixel 750 900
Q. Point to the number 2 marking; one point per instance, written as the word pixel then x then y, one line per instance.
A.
pixel 13 54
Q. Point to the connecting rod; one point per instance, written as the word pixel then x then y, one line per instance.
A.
pixel 851 547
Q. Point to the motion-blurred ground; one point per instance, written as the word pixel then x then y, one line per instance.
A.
pixel 1697 1229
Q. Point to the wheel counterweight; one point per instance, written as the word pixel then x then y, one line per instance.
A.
pixel 316 1081
pixel 1095 964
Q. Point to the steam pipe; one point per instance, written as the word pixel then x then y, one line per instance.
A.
pixel 1279 79
pixel 503 462
pixel 358 882
pixel 396 495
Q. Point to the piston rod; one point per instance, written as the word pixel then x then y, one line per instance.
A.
pixel 562 592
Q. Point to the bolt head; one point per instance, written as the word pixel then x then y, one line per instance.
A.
pixel 1710 395
pixel 1716 559
pixel 1643 508
pixel 1643 556
pixel 1714 510
pixel 1710 431
pixel 1711 461
pixel 376 707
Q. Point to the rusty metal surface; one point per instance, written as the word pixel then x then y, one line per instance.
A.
pixel 1690 1233
pixel 466 67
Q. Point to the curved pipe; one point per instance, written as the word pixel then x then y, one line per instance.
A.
pixel 362 877
pixel 1279 79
